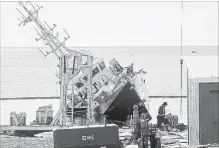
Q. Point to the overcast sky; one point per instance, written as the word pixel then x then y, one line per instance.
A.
pixel 118 23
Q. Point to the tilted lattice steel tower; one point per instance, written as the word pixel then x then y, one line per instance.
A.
pixel 71 62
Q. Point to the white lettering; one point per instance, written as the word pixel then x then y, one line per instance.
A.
pixel 84 138
pixel 88 137
pixel 92 137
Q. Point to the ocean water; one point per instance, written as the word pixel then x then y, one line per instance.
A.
pixel 26 73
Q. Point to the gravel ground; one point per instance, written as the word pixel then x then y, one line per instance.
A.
pixel 46 140
pixel 25 142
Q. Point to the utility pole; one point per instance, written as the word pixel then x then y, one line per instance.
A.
pixel 181 61
pixel 63 89
pixel 90 98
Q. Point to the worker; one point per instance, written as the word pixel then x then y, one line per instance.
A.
pixel 161 117
pixel 143 109
pixel 143 114
pixel 172 119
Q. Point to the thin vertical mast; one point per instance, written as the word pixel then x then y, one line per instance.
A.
pixel 181 61
pixel 181 31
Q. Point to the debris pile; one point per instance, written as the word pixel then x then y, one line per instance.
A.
pixel 168 139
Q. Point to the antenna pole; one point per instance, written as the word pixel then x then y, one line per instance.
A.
pixel 181 60
pixel 44 31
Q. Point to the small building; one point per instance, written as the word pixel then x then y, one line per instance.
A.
pixel 203 99
pixel 44 115
pixel 33 122
pixel 18 119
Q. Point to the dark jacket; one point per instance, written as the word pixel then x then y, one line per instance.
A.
pixel 161 110
pixel 143 109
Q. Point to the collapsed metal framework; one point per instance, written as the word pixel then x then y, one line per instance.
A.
pixel 71 62
pixel 18 119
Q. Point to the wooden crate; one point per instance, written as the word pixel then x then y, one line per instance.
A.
pixel 203 100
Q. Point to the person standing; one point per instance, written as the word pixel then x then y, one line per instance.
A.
pixel 161 116
pixel 142 109
pixel 142 113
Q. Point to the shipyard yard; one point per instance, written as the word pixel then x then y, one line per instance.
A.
pixel 22 142
pixel 127 80
pixel 46 141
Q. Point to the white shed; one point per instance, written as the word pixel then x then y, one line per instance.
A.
pixel 203 99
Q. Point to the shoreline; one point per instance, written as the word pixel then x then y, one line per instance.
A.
pixel 56 97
